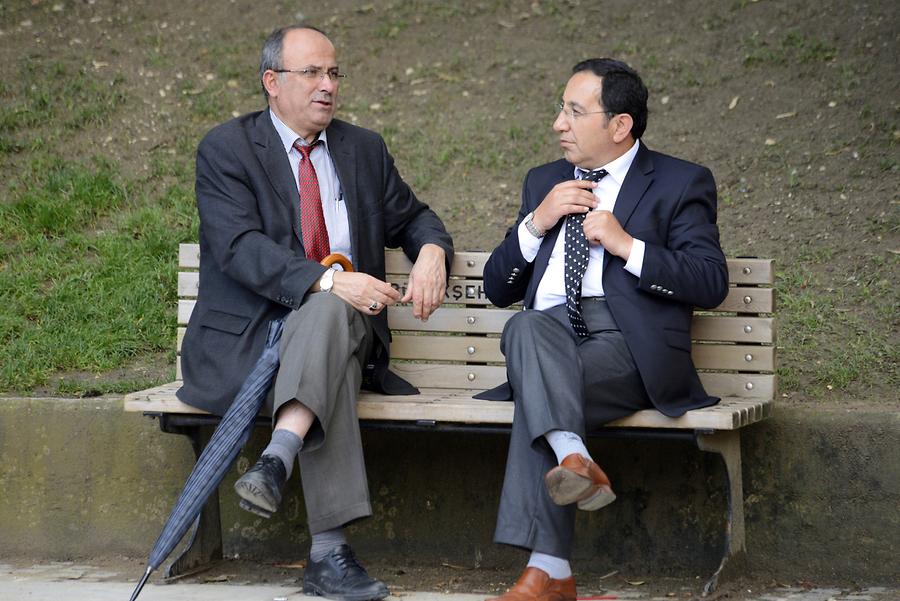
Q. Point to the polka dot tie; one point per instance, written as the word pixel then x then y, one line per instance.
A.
pixel 312 219
pixel 576 261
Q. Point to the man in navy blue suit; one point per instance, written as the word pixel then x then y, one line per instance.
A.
pixel 613 247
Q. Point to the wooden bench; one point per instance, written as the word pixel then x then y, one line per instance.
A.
pixel 456 354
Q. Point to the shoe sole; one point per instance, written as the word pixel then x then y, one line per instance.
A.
pixel 566 487
pixel 315 591
pixel 254 496
pixel 248 506
pixel 600 499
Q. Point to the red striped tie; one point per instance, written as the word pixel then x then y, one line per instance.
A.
pixel 312 219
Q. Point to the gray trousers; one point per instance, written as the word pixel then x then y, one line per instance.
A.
pixel 559 382
pixel 323 347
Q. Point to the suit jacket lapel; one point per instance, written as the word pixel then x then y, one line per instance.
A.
pixel 638 179
pixel 270 153
pixel 636 183
pixel 343 154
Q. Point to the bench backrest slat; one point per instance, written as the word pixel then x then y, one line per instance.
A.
pixel 743 271
pixel 459 346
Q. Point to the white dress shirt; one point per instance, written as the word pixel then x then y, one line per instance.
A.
pixel 333 206
pixel 551 290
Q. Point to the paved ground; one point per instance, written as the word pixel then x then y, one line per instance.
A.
pixel 69 581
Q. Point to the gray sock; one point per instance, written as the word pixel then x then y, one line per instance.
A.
pixel 285 445
pixel 324 543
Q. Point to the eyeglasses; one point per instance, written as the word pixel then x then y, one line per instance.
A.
pixel 576 114
pixel 315 73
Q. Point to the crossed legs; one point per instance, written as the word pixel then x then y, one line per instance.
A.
pixel 562 385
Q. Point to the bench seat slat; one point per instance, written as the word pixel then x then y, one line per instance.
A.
pixel 458 406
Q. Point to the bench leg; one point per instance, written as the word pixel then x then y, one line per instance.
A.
pixel 204 547
pixel 727 443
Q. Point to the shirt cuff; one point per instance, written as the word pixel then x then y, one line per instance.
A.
pixel 636 259
pixel 529 245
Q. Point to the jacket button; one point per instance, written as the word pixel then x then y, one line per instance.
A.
pixel 669 292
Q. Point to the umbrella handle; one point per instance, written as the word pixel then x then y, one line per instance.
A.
pixel 338 258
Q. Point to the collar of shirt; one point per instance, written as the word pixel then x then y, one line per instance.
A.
pixel 289 136
pixel 618 168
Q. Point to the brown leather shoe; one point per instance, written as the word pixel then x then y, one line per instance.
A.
pixel 579 480
pixel 536 585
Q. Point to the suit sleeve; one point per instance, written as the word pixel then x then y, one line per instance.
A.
pixel 691 267
pixel 507 272
pixel 230 221
pixel 408 222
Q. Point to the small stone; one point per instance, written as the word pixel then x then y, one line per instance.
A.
pixel 232 83
pixel 771 142
pixel 786 115
pixel 419 92
pixel 162 93
pixel 375 106
pixel 832 104
pixel 664 100
pixel 733 103
pixel 410 71
pixel 210 77
pixel 26 23
pixel 58 8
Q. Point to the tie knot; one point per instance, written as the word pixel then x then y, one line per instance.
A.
pixel 305 149
pixel 594 176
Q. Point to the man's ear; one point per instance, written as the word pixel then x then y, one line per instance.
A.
pixel 270 82
pixel 624 123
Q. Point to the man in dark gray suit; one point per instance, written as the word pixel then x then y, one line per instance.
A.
pixel 613 247
pixel 278 190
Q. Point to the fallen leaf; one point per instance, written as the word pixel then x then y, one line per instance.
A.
pixel 296 564
pixel 613 573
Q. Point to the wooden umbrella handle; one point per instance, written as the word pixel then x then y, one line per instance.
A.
pixel 338 258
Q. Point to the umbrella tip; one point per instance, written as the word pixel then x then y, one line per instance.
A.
pixel 140 585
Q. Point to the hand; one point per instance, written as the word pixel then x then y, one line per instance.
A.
pixel 571 196
pixel 362 290
pixel 602 227
pixel 427 281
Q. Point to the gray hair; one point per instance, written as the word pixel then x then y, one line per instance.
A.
pixel 272 49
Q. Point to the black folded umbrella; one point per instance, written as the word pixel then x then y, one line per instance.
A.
pixel 221 451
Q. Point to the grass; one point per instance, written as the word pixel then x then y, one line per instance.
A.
pixel 88 276
pixel 810 313
pixel 88 245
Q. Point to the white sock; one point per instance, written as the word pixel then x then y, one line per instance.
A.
pixel 555 567
pixel 565 443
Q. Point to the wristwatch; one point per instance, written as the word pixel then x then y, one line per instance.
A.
pixel 326 282
pixel 532 229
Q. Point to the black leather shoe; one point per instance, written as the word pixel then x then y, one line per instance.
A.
pixel 260 487
pixel 340 576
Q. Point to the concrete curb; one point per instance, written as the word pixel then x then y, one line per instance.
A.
pixel 81 478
